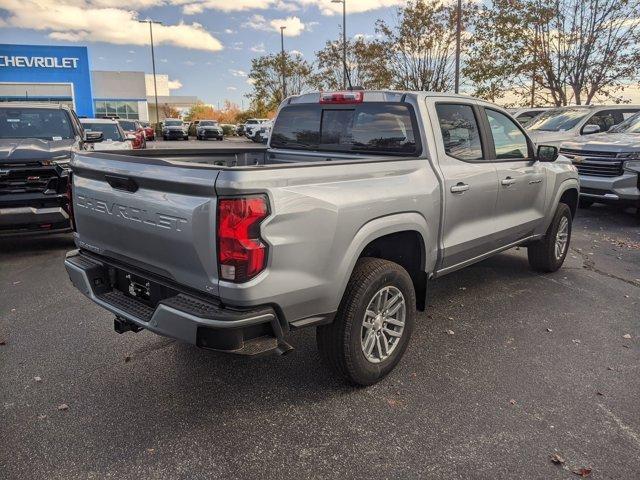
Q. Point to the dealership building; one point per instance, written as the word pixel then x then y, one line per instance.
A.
pixel 60 74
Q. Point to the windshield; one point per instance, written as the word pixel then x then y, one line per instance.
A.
pixel 208 123
pixel 110 131
pixel 376 127
pixel 630 125
pixel 558 119
pixel 41 123
pixel 128 125
pixel 173 123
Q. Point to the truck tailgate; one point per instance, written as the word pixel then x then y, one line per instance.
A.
pixel 149 214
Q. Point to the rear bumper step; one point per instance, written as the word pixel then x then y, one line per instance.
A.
pixel 182 316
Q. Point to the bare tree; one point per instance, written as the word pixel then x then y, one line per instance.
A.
pixel 421 46
pixel 556 51
pixel 266 78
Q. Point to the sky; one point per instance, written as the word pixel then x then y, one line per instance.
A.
pixel 205 46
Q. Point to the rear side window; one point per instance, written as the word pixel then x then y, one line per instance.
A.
pixel 460 132
pixel 378 128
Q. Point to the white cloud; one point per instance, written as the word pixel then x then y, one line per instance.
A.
pixel 175 84
pixel 232 89
pixel 191 7
pixel 327 7
pixel 259 48
pixel 89 21
pixel 229 31
pixel 297 53
pixel 132 51
pixel 189 63
pixel 257 22
pixel 237 73
pixel 293 25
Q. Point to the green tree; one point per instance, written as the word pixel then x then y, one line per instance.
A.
pixel 366 65
pixel 266 78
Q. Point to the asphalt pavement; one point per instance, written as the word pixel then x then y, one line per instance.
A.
pixel 538 365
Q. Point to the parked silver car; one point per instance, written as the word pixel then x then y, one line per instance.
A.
pixel 566 123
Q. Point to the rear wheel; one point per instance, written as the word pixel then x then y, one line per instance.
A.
pixel 373 325
pixel 548 254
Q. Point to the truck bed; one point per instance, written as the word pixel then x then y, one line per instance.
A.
pixel 231 158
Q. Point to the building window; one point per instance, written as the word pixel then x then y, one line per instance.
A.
pixel 116 108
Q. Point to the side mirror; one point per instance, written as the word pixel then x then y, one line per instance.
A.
pixel 590 129
pixel 547 153
pixel 93 137
pixel 130 138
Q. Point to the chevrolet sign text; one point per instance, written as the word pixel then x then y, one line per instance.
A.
pixel 38 62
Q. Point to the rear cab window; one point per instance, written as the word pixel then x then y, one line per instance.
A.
pixel 380 128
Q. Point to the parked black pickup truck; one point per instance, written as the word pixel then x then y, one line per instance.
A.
pixel 36 142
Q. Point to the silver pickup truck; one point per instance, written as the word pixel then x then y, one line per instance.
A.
pixel 360 199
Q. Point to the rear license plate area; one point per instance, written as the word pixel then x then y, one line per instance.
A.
pixel 140 288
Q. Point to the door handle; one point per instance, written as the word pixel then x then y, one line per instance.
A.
pixel 459 188
pixel 531 182
pixel 507 181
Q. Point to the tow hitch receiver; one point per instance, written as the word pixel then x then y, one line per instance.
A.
pixel 121 325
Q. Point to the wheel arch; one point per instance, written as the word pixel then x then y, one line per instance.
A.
pixel 404 239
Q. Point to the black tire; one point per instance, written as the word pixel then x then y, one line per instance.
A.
pixel 542 255
pixel 340 343
pixel 585 203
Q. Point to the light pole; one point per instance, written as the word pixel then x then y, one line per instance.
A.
pixel 344 41
pixel 458 35
pixel 153 65
pixel 284 81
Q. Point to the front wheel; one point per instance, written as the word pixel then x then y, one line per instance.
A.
pixel 548 254
pixel 373 325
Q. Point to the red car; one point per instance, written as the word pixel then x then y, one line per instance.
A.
pixel 149 132
pixel 134 129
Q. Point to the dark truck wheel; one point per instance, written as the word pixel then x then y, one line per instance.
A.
pixel 548 254
pixel 371 330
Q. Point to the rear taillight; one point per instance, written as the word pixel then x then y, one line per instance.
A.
pixel 342 97
pixel 241 253
pixel 69 195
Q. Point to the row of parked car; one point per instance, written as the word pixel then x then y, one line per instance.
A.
pixel 603 142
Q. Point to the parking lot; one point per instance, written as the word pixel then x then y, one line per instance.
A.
pixel 537 365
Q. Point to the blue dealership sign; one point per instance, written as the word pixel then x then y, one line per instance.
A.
pixel 49 64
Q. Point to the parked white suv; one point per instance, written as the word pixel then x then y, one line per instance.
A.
pixel 252 126
pixel 565 123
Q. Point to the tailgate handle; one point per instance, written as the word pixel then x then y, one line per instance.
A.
pixel 127 184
